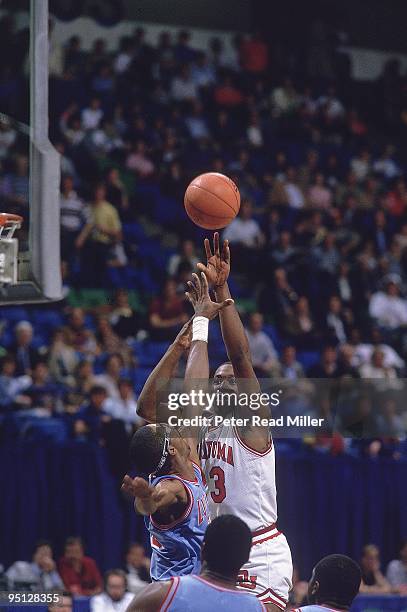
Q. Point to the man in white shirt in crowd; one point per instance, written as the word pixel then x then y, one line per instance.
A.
pixel 137 567
pixel 115 597
pixel 244 230
pixel 124 407
pixel 294 193
pixel 363 351
pixel 387 307
pixel 264 355
pixel 183 88
pixel 397 571
pixel 92 115
pixel 40 572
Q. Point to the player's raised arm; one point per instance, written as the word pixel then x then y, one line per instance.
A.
pixel 154 499
pixel 197 369
pixel 148 402
pixel 217 271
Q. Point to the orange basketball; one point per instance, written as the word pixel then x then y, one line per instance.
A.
pixel 212 200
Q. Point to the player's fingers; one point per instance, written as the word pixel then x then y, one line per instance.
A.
pixel 191 289
pixel 202 268
pixel 205 287
pixel 226 251
pixel 216 244
pixel 197 283
pixel 207 248
pixel 226 303
pixel 190 298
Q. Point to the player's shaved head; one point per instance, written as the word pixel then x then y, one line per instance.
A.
pixel 227 545
pixel 147 449
pixel 335 581
pixel 154 448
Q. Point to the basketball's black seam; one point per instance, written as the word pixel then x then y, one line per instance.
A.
pixel 216 196
pixel 205 213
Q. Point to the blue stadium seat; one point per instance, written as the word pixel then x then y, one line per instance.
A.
pixel 308 358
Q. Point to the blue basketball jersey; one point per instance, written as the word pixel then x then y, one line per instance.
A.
pixel 176 548
pixel 195 594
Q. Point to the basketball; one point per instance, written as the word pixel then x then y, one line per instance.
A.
pixel 212 200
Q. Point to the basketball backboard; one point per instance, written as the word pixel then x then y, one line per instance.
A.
pixel 30 166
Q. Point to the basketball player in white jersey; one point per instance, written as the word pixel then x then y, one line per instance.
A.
pixel 239 463
pixel 334 584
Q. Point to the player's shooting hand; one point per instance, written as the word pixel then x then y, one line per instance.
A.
pixel 184 338
pixel 198 295
pixel 217 264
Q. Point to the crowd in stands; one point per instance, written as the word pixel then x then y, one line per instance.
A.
pixel 319 247
pixel 76 574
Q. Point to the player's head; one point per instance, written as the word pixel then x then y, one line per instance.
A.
pixel 224 383
pixel 226 546
pixel 158 449
pixel 335 581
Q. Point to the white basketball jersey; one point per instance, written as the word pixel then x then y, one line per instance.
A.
pixel 240 480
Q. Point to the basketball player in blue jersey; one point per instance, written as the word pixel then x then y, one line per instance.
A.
pixel 174 500
pixel 225 549
pixel 334 584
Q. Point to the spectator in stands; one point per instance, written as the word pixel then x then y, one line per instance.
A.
pixel 288 366
pixel 72 217
pixel 386 165
pixel 124 407
pixel 125 321
pixel 92 115
pixel 294 194
pixel 64 604
pixel 137 567
pixel 376 367
pixel 115 597
pixel 43 392
pixel 101 233
pixel 139 161
pixel 183 86
pixel 245 235
pixel 361 165
pixel 397 571
pixel 110 342
pixel 284 252
pixel 184 53
pixel 62 358
pixel 125 55
pixel 254 54
pixel 25 354
pixel 328 365
pixel 284 99
pixel 116 192
pixel 387 307
pixel 12 387
pixel 109 380
pixel 196 122
pixel 300 324
pixel 84 378
pixel 363 351
pixel 77 334
pixel 79 573
pixel 346 366
pixel 14 187
pixel 319 196
pixel 187 255
pixel 390 424
pixel 264 355
pixel 203 73
pixel 167 313
pixel 88 423
pixel 373 581
pixel 227 94
pixel 337 321
pixel 41 573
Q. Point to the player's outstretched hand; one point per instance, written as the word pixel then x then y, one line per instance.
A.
pixel 135 487
pixel 198 295
pixel 217 264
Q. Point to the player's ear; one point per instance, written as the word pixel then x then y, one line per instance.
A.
pixel 315 588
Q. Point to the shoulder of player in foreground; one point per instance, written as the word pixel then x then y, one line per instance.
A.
pixel 151 597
